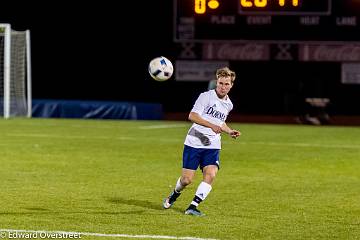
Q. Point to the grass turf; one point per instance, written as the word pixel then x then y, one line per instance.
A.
pixel 275 182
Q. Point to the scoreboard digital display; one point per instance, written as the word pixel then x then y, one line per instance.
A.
pixel 284 7
pixel 267 20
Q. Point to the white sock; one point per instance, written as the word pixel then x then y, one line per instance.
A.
pixel 202 192
pixel 179 187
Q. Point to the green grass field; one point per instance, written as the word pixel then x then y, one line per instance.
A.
pixel 101 176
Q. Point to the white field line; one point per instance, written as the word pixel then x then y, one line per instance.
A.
pixel 79 234
pixel 302 145
pixel 162 126
pixel 66 137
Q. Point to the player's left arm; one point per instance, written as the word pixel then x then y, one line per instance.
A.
pixel 232 132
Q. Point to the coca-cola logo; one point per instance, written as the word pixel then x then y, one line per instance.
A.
pixel 330 53
pixel 227 51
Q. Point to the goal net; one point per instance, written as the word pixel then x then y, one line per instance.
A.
pixel 15 72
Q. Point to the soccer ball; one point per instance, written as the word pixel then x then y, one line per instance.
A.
pixel 161 69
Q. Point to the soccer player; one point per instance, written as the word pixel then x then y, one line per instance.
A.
pixel 203 141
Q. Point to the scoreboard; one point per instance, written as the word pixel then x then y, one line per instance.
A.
pixel 267 20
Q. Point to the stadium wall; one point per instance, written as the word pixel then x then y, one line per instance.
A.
pixel 96 109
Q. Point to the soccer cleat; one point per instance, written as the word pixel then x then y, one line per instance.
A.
pixel 193 212
pixel 166 203
pixel 169 201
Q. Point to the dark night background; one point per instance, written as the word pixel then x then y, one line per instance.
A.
pixel 99 50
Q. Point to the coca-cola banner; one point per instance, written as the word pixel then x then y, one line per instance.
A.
pixel 236 51
pixel 330 53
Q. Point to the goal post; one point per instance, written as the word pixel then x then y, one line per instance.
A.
pixel 15 72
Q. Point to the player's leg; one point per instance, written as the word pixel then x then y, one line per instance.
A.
pixel 190 164
pixel 210 167
pixel 209 173
pixel 185 179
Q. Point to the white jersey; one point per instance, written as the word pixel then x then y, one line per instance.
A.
pixel 213 109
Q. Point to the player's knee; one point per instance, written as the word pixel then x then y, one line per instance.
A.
pixel 186 180
pixel 209 177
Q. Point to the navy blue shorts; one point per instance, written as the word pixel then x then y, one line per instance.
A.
pixel 195 157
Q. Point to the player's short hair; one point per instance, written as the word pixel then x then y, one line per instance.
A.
pixel 225 72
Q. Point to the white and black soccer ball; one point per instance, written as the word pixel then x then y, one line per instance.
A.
pixel 161 69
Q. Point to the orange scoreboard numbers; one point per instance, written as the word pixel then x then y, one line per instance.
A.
pixel 272 7
pixel 200 6
pixel 264 3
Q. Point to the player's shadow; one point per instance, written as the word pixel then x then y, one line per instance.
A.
pixel 139 203
pixel 135 202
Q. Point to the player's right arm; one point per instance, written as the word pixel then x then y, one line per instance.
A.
pixel 232 132
pixel 196 118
